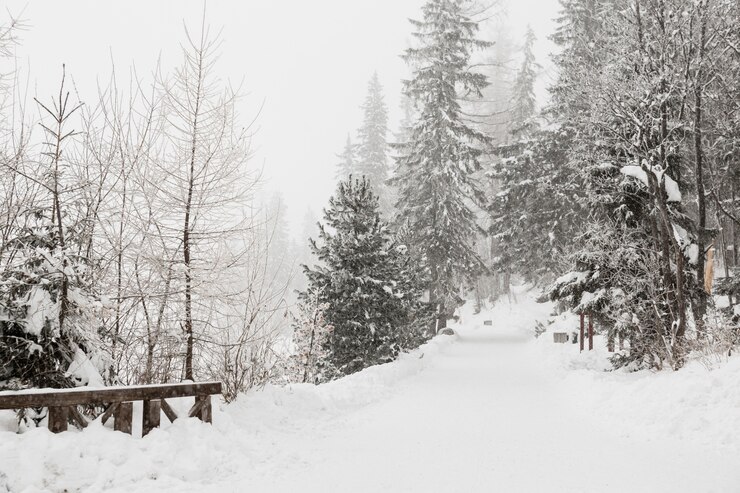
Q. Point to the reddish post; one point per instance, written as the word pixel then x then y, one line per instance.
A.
pixel 582 332
pixel 590 332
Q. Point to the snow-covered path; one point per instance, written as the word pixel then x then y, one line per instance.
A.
pixel 480 412
pixel 484 416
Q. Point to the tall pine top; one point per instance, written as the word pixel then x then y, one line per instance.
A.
pixel 437 189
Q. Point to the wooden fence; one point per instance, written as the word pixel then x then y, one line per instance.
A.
pixel 118 403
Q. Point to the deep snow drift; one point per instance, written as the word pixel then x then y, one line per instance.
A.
pixel 490 409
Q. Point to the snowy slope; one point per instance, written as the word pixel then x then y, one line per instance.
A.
pixel 490 409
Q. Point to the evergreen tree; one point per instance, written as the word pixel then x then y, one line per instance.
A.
pixel 538 208
pixel 49 311
pixel 41 335
pixel 436 186
pixel 347 164
pixel 403 135
pixel 367 280
pixel 624 94
pixel 524 99
pixel 372 148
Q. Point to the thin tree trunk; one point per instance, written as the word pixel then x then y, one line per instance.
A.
pixel 700 308
pixel 187 226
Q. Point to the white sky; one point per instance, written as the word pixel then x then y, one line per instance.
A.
pixel 308 61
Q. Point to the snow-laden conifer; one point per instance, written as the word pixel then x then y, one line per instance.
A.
pixel 347 164
pixel 436 187
pixel 372 147
pixel 367 281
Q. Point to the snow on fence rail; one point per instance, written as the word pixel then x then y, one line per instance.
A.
pixel 62 403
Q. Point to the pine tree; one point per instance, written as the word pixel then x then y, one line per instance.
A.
pixel 372 148
pixel 49 310
pixel 37 346
pixel 639 263
pixel 437 189
pixel 347 164
pixel 524 99
pixel 536 208
pixel 368 281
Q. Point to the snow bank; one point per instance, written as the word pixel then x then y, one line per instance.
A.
pixel 696 403
pixel 262 427
pixel 494 376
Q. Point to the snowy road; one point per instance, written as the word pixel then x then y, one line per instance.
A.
pixel 481 413
pixel 484 416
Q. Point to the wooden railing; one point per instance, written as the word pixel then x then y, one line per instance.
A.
pixel 118 402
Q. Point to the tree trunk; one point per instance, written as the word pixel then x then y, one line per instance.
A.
pixel 700 307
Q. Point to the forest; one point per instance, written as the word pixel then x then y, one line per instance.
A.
pixel 135 249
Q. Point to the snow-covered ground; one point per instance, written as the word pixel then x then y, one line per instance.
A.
pixel 490 409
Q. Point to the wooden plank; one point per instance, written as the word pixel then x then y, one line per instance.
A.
pixel 151 416
pixel 123 417
pixel 195 410
pixel 109 412
pixel 77 417
pixel 168 411
pixel 202 409
pixel 84 395
pixel 58 416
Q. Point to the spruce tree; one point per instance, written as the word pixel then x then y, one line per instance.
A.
pixel 524 99
pixel 366 281
pixel 436 186
pixel 347 164
pixel 41 335
pixel 536 208
pixel 372 147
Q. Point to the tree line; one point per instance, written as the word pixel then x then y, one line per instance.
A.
pixel 131 248
pixel 131 243
pixel 622 190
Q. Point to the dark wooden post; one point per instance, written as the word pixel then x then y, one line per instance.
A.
pixel 202 408
pixel 206 412
pixel 58 417
pixel 168 411
pixel 590 331
pixel 123 417
pixel 582 332
pixel 151 416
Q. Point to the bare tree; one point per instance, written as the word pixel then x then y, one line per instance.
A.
pixel 203 181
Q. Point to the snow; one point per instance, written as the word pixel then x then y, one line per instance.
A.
pixel 577 277
pixel 490 409
pixel 84 372
pixel 40 309
pixel 671 187
pixel 691 250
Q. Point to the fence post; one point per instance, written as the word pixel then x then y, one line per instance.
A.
pixel 123 417
pixel 151 416
pixel 58 416
pixel 590 331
